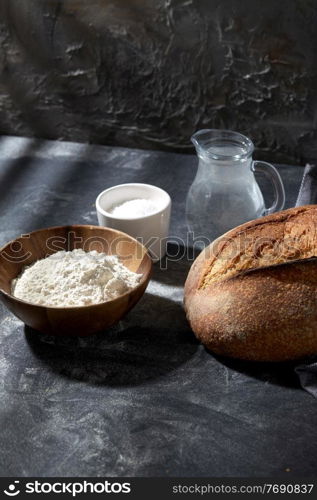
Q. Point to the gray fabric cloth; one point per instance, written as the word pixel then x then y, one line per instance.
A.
pixel 307 195
pixel 308 189
pixel 308 376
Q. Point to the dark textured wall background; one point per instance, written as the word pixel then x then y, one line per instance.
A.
pixel 147 73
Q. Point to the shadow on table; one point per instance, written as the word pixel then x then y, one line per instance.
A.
pixel 281 374
pixel 121 356
pixel 173 269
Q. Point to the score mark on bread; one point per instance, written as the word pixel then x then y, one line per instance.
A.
pixel 270 241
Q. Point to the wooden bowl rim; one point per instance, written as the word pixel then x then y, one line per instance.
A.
pixel 145 276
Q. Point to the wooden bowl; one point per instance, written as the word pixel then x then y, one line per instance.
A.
pixel 83 320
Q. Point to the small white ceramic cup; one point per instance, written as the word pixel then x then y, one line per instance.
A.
pixel 151 230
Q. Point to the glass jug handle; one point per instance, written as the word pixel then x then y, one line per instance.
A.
pixel 271 173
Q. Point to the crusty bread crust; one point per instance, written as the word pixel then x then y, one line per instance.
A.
pixel 252 294
pixel 276 239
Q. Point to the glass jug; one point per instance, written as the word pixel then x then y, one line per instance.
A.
pixel 225 193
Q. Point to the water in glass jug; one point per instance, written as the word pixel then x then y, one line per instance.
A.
pixel 225 193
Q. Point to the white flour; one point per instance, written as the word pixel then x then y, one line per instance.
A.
pixel 75 278
pixel 138 207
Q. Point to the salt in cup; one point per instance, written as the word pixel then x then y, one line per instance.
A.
pixel 150 229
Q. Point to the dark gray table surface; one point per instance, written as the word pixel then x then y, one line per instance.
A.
pixel 143 399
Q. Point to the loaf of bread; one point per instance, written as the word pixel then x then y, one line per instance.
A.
pixel 252 293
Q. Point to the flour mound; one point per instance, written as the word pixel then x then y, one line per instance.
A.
pixel 75 278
